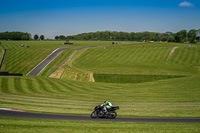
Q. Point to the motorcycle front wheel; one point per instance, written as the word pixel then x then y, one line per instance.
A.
pixel 112 115
pixel 94 115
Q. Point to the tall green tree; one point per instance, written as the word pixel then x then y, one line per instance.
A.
pixel 42 37
pixel 181 36
pixel 192 35
pixel 56 37
pixel 62 37
pixel 198 35
pixel 36 37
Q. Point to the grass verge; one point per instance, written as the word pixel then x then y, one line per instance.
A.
pixel 8 125
pixel 177 97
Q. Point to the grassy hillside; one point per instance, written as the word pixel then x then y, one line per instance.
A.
pixel 140 59
pixel 22 59
pixel 185 55
pixel 165 98
pixel 120 63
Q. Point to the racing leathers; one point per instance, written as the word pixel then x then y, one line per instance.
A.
pixel 106 106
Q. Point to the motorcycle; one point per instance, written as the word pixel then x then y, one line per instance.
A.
pixel 99 113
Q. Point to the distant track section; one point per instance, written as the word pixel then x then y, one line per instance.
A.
pixel 21 114
pixel 53 55
pixel 71 57
pixel 47 60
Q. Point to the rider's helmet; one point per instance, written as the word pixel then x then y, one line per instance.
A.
pixel 106 102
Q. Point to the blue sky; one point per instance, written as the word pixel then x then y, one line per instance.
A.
pixel 69 17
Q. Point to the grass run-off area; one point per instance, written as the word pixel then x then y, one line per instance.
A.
pixel 163 98
pixel 141 78
pixel 8 125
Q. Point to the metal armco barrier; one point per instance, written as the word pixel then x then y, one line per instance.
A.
pixel 2 58
pixel 10 74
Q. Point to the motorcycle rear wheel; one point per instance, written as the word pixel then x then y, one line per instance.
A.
pixel 112 115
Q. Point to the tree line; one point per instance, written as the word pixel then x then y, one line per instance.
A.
pixel 15 36
pixel 182 36
pixel 191 36
pixel 19 36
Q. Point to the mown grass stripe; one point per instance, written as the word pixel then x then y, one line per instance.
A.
pixel 14 62
pixel 42 85
pixel 15 55
pixel 19 62
pixel 166 54
pixel 135 54
pixel 159 55
pixel 45 105
pixel 55 85
pixel 8 85
pixel 4 85
pixel 163 55
pixel 65 85
pixel 81 88
pixel 145 54
pixel 152 54
pixel 68 86
pixel 30 86
pixel 193 57
pixel 127 55
pixel 50 87
pixel 17 85
pixel 183 54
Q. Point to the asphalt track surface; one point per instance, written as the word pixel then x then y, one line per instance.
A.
pixel 47 60
pixel 35 71
pixel 28 115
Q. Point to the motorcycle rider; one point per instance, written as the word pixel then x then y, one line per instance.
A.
pixel 106 105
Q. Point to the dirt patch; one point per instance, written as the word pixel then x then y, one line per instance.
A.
pixel 57 74
pixel 92 78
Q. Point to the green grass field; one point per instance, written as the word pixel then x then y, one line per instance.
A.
pixel 165 98
pixel 21 59
pixel 144 59
pixel 50 126
pixel 120 63
pixel 138 77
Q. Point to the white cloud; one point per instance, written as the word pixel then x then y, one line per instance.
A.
pixel 186 4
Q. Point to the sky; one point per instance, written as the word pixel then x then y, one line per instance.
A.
pixel 71 17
